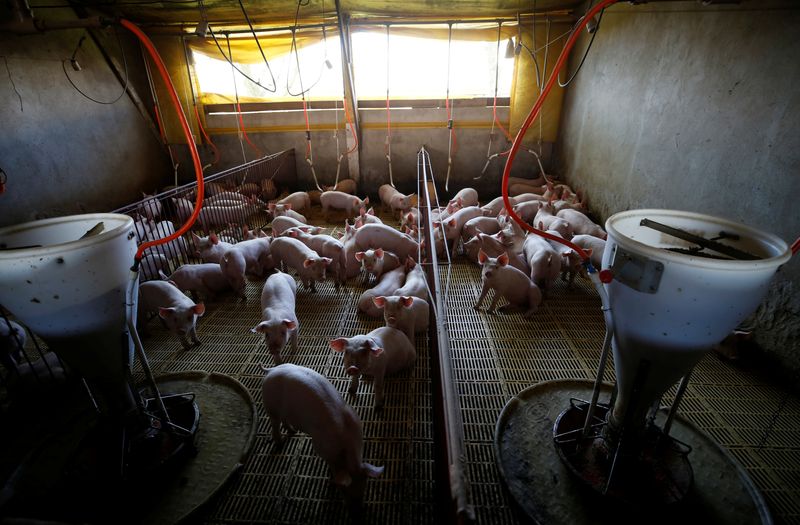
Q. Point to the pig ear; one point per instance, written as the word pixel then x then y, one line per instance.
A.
pixel 371 211
pixel 292 233
pixel 359 255
pixel 288 323
pixel 379 253
pixel 260 328
pixel 262 234
pixel 410 263
pixel 407 301
pixel 371 471
pixel 337 345
pixel 213 238
pixel 287 206
pixel 362 211
pixel 366 200
pixel 271 206
pixel 375 350
pixel 326 260
pixel 379 301
pixel 502 259
pixel 307 263
pixel 359 222
pixel 588 251
pixel 482 256
pixel 452 223
pixel 166 313
pixel 199 309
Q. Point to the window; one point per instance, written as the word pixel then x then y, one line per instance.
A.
pixel 418 67
pixel 215 76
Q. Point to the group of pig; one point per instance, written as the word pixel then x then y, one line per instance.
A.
pixel 518 266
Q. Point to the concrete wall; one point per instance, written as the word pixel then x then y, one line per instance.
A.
pixel 62 153
pixel 696 108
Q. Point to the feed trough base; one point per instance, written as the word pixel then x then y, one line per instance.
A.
pixel 545 491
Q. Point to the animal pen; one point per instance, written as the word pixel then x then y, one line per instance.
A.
pixel 436 433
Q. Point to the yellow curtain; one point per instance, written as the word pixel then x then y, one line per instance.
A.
pixel 244 49
pixel 171 50
pixel 525 90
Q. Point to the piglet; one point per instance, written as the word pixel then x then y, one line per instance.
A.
pixel 151 266
pixel 299 201
pixel 454 224
pixel 279 322
pixel 150 206
pixel 581 224
pixel 482 224
pixel 210 248
pixel 467 197
pixel 282 223
pixel 416 284
pixel 393 199
pixel 233 266
pixel 408 314
pixel 386 237
pixel 544 261
pixel 207 279
pixel 326 246
pixel 384 351
pixel 302 399
pixel 388 283
pixel 344 185
pixel 308 263
pixel 338 200
pixel 507 282
pixel 285 210
pixel 367 217
pixel 377 261
pixel 178 311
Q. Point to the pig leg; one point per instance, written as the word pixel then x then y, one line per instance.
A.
pixel 534 298
pixel 484 291
pixel 495 300
pixel 193 334
pixel 184 342
pixel 275 423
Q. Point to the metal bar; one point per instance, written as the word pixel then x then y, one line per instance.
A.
pixel 447 421
pixel 700 241
pixel 678 397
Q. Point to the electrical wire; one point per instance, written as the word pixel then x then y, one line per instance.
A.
pixel 238 109
pixel 387 145
pixel 255 37
pixel 13 85
pixel 585 54
pixel 194 104
pixel 352 128
pixel 451 141
pixel 293 49
pixel 72 61
pixel 229 61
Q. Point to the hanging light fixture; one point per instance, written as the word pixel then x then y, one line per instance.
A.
pixel 202 27
pixel 510 48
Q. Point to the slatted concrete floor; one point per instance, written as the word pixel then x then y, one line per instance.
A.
pixel 494 357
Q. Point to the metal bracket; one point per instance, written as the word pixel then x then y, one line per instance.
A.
pixel 638 272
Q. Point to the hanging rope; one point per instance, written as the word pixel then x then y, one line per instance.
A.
pixel 239 119
pixel 451 140
pixel 352 128
pixel 309 148
pixel 489 156
pixel 340 156
pixel 387 147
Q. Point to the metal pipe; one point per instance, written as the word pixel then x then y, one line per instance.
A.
pixel 673 410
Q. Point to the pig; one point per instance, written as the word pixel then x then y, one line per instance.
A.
pixel 282 223
pixel 468 197
pixel 377 261
pixel 393 199
pixel 384 351
pixel 495 206
pixel 527 197
pixel 207 279
pixel 351 266
pixel 172 248
pixel 410 218
pixel 233 267
pixel 509 283
pixel 581 224
pixel 454 224
pixel 308 263
pixel 544 261
pixel 268 189
pixel 519 189
pixel 12 341
pixel 218 214
pixel 547 220
pixel 302 399
pixel 367 217
pixel 227 196
pixel 326 246
pixel 142 226
pixel 386 237
pixel 593 243
pixel 338 200
pixel 299 201
pixel 344 185
pixel 257 255
pixel 452 207
pixel 482 224
pixel 279 322
pixel 416 284
pixel 249 188
pixel 512 237
pixel 538 181
pixel 150 266
pixel 493 247
pixel 210 248
pixel 178 311
pixel 387 284
pixel 527 210
pixel 183 208
pixel 150 207
pixel 573 264
pixel 408 314
pixel 285 210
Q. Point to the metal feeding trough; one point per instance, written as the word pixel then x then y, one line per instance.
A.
pixel 674 284
pixel 69 280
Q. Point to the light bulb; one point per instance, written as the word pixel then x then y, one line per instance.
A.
pixel 510 48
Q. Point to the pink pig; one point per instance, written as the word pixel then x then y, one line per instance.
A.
pixel 278 319
pixel 338 200
pixel 302 399
pixel 308 264
pixel 178 311
pixel 384 351
pixel 408 314
pixel 509 283
pixel 377 261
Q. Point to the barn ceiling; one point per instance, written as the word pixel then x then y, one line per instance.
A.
pixel 277 12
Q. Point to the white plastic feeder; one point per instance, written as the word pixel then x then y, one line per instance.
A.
pixel 669 308
pixel 70 290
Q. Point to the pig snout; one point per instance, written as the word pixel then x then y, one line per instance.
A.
pixel 352 370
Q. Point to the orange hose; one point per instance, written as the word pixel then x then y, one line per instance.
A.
pixel 198 168
pixel 244 131
pixel 208 139
pixel 562 59
pixel 497 120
